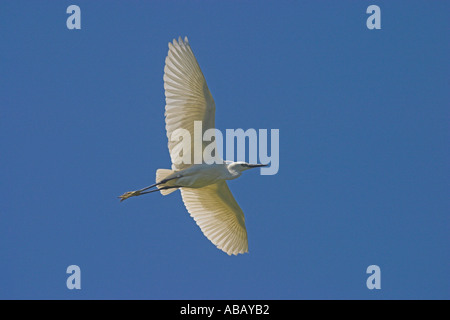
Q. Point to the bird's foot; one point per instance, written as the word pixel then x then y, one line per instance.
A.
pixel 129 194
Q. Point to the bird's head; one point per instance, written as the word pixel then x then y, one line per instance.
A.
pixel 236 168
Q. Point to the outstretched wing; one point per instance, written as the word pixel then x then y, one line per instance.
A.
pixel 187 100
pixel 218 215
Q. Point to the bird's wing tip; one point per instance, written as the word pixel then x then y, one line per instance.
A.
pixel 180 41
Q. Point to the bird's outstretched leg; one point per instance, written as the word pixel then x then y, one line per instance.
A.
pixel 129 194
pixel 163 188
pixel 139 192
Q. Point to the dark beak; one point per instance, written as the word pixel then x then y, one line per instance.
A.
pixel 257 165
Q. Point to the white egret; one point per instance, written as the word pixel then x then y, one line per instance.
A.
pixel 203 186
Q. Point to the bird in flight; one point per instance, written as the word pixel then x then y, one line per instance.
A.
pixel 203 186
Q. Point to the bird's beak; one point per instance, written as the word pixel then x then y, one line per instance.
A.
pixel 257 165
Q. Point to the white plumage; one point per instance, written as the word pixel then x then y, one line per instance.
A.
pixel 187 97
pixel 203 186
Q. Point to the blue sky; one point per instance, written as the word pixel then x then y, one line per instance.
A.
pixel 363 119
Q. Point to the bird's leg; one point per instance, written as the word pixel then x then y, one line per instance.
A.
pixel 163 188
pixel 130 194
pixel 158 183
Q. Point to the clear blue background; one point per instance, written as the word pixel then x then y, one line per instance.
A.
pixel 364 157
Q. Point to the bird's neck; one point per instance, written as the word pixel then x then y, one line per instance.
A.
pixel 232 172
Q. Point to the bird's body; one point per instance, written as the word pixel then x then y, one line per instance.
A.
pixel 201 175
pixel 203 186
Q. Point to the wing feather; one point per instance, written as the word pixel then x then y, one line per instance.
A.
pixel 218 215
pixel 188 99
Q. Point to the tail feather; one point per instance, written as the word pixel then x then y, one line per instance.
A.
pixel 161 174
